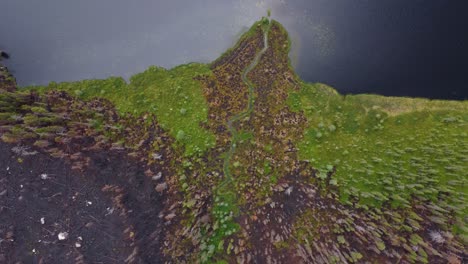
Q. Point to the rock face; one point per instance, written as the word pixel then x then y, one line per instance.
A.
pixel 4 55
pixel 7 81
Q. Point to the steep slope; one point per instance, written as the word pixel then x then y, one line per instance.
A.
pixel 250 164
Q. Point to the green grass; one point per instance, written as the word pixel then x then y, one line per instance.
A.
pixel 386 150
pixel 224 211
pixel 172 95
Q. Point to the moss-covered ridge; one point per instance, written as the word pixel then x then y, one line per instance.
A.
pixel 385 149
pixel 316 176
pixel 173 95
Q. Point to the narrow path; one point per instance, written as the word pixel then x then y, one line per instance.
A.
pixel 247 112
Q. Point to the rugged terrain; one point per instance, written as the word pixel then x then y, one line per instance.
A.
pixel 234 161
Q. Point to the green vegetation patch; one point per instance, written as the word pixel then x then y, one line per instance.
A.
pixel 224 211
pixel 172 95
pixel 386 151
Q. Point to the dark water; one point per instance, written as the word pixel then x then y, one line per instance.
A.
pixel 391 47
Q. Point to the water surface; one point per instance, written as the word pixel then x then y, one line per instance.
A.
pixel 390 47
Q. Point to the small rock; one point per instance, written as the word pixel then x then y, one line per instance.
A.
pixel 157 176
pixel 148 172
pixel 161 187
pixel 62 235
pixel 78 243
pixel 42 220
pixel 109 210
pixel 436 237
pixel 44 176
pixel 169 216
pixel 452 259
pixel 9 235
pixel 289 190
pixel 157 156
pixel 205 219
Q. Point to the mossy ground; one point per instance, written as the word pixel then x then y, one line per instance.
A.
pixel 386 151
pixel 173 95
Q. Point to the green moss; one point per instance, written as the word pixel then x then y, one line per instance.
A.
pixel 223 212
pixel 173 95
pixel 38 109
pixel 34 120
pixel 6 116
pixel 49 129
pixel 386 151
pixel 17 134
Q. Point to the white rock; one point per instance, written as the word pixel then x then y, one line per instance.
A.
pixel 44 176
pixel 77 244
pixel 109 210
pixel 62 235
pixel 88 203
pixel 157 156
pixel 42 220
pixel 436 237
pixel 157 176
pixel 289 190
pixel 170 216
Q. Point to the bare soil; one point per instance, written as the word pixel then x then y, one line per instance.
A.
pixel 110 211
